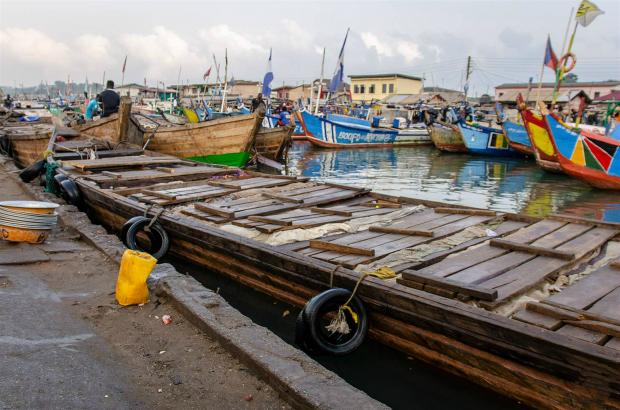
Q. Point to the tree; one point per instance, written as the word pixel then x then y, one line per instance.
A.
pixel 570 78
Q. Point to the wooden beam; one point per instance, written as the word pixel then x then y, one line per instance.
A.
pixel 536 250
pixel 580 220
pixel 351 188
pixel 381 205
pixel 469 289
pixel 464 211
pixel 124 114
pixel 399 231
pixel 335 247
pixel 601 327
pixel 282 198
pixel 267 220
pixel 567 313
pixel 158 194
pixel 214 210
pixel 328 211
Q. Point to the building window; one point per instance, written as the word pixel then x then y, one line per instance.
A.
pixel 356 89
pixel 391 88
pixel 384 88
pixel 501 94
pixel 371 89
pixel 362 89
pixel 597 94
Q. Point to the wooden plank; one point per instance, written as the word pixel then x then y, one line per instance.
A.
pixel 347 187
pixel 282 198
pixel 564 312
pixel 158 194
pixel 329 211
pixel 115 162
pixel 581 220
pixel 381 204
pixel 465 211
pixel 270 221
pixel 112 174
pixel 535 250
pixel 387 229
pixel 214 210
pixel 330 246
pixel 460 287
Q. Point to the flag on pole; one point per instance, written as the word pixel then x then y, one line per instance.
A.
pixel 268 78
pixel 206 74
pixel 338 77
pixel 551 60
pixel 587 12
pixel 124 65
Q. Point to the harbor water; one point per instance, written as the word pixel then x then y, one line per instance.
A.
pixel 501 184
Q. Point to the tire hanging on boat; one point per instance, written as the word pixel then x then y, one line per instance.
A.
pixel 316 329
pixel 70 193
pixel 160 243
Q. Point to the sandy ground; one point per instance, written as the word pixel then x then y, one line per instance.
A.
pixel 132 358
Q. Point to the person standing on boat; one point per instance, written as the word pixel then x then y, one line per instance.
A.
pixel 256 102
pixel 8 102
pixel 109 99
pixel 92 109
pixel 284 119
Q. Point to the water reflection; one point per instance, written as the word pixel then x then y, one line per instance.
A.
pixel 502 184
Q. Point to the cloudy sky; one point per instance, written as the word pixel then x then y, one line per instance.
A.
pixel 47 40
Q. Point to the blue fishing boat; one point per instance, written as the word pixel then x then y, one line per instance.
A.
pixel 485 140
pixel 517 137
pixel 325 132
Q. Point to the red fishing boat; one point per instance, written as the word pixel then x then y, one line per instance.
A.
pixel 542 145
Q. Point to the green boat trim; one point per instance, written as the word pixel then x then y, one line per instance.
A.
pixel 233 159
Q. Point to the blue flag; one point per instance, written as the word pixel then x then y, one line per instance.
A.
pixel 338 77
pixel 268 78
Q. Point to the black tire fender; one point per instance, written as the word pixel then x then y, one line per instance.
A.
pixel 302 338
pixel 58 178
pixel 126 226
pixel 70 192
pixel 34 170
pixel 157 235
pixel 332 343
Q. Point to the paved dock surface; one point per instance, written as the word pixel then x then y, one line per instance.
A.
pixel 66 343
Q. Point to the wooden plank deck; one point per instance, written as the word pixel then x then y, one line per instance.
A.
pixel 596 298
pixel 523 260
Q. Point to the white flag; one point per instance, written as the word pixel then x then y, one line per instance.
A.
pixel 587 12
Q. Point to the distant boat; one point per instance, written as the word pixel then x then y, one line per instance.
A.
pixel 544 150
pixel 338 133
pixel 447 137
pixel 593 158
pixel 485 140
pixel 517 137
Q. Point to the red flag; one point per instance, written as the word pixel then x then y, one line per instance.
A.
pixel 551 60
pixel 124 64
pixel 204 77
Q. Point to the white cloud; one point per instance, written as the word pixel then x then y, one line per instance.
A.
pixel 222 36
pixel 408 50
pixel 32 46
pixel 160 53
pixel 93 49
pixel 372 41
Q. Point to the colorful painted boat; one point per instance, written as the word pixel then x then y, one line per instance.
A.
pixel 593 158
pixel 447 137
pixel 485 140
pixel 326 133
pixel 517 137
pixel 544 150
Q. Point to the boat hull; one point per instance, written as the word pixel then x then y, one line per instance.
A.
pixel 329 134
pixel 486 141
pixel 28 148
pixel 542 146
pixel 225 141
pixel 447 137
pixel 517 137
pixel 271 142
pixel 589 157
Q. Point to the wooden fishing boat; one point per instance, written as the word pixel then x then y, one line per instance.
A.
pixel 485 140
pixel 272 142
pixel 542 146
pixel 447 137
pixel 517 137
pixel 328 133
pixel 449 305
pixel 225 141
pixel 592 158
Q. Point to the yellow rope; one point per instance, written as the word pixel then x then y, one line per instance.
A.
pixel 339 323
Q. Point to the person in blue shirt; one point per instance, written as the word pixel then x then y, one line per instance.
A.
pixel 284 117
pixel 91 109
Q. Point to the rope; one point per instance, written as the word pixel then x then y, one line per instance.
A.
pixel 339 323
pixel 153 220
pixel 50 171
pixel 146 210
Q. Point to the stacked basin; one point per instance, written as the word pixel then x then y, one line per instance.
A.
pixel 27 221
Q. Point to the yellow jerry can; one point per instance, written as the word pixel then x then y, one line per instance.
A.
pixel 131 286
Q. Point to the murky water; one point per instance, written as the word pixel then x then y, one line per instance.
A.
pixel 502 184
